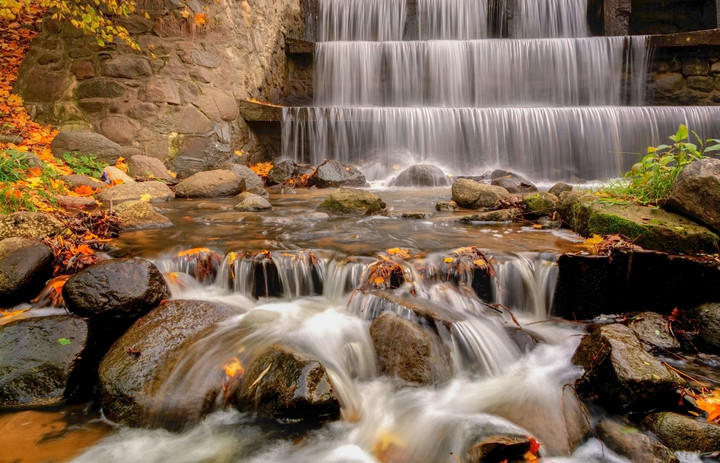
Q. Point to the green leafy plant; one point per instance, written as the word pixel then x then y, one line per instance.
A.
pixel 86 164
pixel 651 179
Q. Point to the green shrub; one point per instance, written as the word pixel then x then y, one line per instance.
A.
pixel 86 164
pixel 13 164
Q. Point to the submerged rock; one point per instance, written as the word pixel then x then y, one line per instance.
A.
pixel 210 183
pixel 421 175
pixel 29 225
pixel 680 432
pixel 446 206
pixel 501 215
pixel 25 266
pixel 708 323
pixel 633 444
pixel 352 201
pixel 40 363
pixel 287 385
pixel 620 373
pixel 333 174
pixel 134 370
pixel 512 182
pixel 410 352
pixel 472 195
pixel 696 192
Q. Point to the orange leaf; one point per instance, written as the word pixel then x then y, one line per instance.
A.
pixel 84 190
pixel 200 18
pixel 84 249
pixel 379 280
pixel 34 172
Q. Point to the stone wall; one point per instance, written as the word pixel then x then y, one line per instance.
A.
pixel 176 100
pixel 685 76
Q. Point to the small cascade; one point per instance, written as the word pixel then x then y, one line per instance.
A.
pixel 361 19
pixel 526 284
pixel 452 19
pixel 549 18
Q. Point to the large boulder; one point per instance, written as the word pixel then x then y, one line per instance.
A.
pixel 696 192
pixel 253 183
pixel 115 291
pixel 136 367
pixel 422 175
pixel 653 330
pixel 25 266
pixel 85 142
pixel 470 194
pixel 708 323
pixel 352 201
pixel 410 352
pixel 283 384
pixel 139 215
pixel 680 432
pixel 29 225
pixel 333 174
pixel 281 172
pixel 41 357
pixel 151 191
pixel 633 444
pixel 147 168
pixel 210 183
pixel 620 373
pixel 512 182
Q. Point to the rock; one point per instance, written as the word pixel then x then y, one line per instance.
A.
pixel 74 180
pixel 540 204
pixel 85 142
pixel 41 361
pixel 29 225
pixel 118 129
pixel 209 184
pixel 25 266
pixel 680 432
pixel 115 175
pixel 669 84
pixel 160 91
pixel 446 206
pixel 284 385
pixel 415 215
pixel 76 202
pixel 147 168
pixel 620 373
pixel 422 175
pixel 137 215
pixel 499 448
pixel 99 88
pixel 352 201
pixel 409 352
pixel 116 291
pixel 252 203
pixel 157 191
pixel 472 195
pixel 632 444
pixel 501 215
pixel 646 226
pixel 253 183
pixel 708 324
pixel 560 188
pixel 127 67
pixel 333 174
pixel 696 193
pixel 135 369
pixel 513 183
pixel 653 330
pixel 281 172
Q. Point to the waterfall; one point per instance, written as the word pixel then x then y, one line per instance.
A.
pixel 550 18
pixel 361 19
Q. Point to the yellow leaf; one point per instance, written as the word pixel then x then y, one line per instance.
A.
pixel 449 260
pixel 145 197
pixel 479 262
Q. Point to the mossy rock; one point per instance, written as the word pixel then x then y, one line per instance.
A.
pixel 352 201
pixel 540 204
pixel 648 227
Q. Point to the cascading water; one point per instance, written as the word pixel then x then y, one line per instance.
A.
pixel 549 102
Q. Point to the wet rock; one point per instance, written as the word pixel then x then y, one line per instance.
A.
pixel 115 175
pixel 210 184
pixel 620 373
pixel 540 204
pixel 680 432
pixel 115 291
pixel 501 215
pixel 653 330
pixel 85 142
pixel 157 191
pixel 41 361
pixel 472 195
pixel 253 183
pixel 74 180
pixel 283 384
pixel 281 172
pixel 560 188
pixel 76 202
pixel 415 215
pixel 25 266
pixel 147 168
pixel 333 174
pixel 352 201
pixel 696 193
pixel 29 225
pixel 708 323
pixel 140 215
pixel 446 206
pixel 409 352
pixel 422 175
pixel 252 203
pixel 499 448
pixel 633 444
pixel 512 182
pixel 135 369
